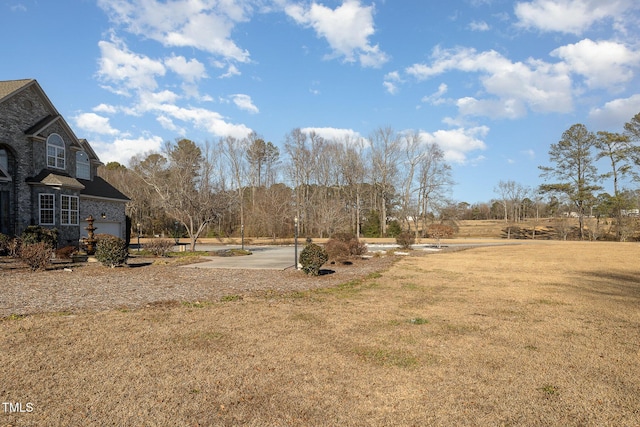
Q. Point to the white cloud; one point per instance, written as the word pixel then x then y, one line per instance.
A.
pixel 127 70
pixel 458 143
pixel 436 97
pixel 232 70
pixel 245 103
pixel 204 119
pixel 189 70
pixel 121 150
pixel 604 64
pixel 95 124
pixel 514 87
pixel 347 30
pixel 568 16
pixel 334 134
pixel 479 26
pixel 391 81
pixel 614 114
pixel 203 25
pixel 105 108
pixel 168 124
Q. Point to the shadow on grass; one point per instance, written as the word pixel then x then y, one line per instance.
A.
pixel 612 284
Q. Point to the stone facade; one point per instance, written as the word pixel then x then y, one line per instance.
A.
pixel 29 127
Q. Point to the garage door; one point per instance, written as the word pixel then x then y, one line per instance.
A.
pixel 112 228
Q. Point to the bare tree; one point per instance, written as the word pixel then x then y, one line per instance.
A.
pixel 435 180
pixel 235 151
pixel 385 152
pixel 183 178
pixel 299 172
pixel 352 174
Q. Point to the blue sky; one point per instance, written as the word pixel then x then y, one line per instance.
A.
pixel 493 82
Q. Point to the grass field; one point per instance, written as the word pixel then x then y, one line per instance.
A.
pixel 543 333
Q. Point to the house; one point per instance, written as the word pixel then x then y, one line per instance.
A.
pixel 48 176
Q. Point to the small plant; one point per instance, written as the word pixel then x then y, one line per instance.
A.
pixel 111 251
pixel 5 241
pixel 66 252
pixel 36 255
pixel 405 239
pixel 440 231
pixel 159 247
pixel 312 258
pixel 418 321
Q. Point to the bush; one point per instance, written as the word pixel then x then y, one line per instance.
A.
pixel 111 251
pixel 36 255
pixel 344 245
pixel 336 249
pixel 35 234
pixel 159 247
pixel 312 258
pixel 440 231
pixel 406 239
pixel 5 241
pixel 66 252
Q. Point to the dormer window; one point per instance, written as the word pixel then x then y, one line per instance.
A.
pixel 55 151
pixel 83 171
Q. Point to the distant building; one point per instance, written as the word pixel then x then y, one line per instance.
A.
pixel 48 176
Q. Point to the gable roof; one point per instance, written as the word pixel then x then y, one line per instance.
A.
pixel 9 87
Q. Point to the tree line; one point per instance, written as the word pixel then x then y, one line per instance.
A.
pixel 579 164
pixel 374 186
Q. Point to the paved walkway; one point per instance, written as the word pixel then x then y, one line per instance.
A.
pixel 262 258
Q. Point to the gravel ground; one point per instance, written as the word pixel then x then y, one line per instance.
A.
pixel 92 287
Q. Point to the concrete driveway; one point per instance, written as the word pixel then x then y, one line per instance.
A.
pixel 262 258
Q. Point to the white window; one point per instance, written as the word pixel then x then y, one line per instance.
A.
pixel 47 209
pixel 68 210
pixel 82 165
pixel 55 151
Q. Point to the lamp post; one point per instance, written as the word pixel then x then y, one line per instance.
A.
pixel 138 224
pixel 295 242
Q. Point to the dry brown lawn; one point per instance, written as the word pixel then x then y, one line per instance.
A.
pixel 536 334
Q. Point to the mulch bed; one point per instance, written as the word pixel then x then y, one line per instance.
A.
pixel 67 287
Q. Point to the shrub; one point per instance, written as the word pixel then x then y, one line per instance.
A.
pixel 66 252
pixel 406 239
pixel 312 258
pixel 344 245
pixel 36 255
pixel 337 249
pixel 111 251
pixel 35 233
pixel 440 231
pixel 5 241
pixel 159 247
